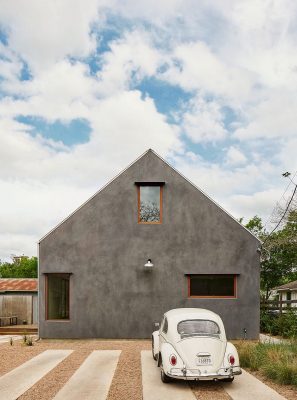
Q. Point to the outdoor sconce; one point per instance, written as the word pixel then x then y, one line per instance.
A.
pixel 148 265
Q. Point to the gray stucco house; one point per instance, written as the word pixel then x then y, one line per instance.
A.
pixel 147 242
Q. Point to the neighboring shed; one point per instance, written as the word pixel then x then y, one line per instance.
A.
pixel 288 292
pixel 148 242
pixel 18 297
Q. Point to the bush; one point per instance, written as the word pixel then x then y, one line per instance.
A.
pixel 282 324
pixel 276 361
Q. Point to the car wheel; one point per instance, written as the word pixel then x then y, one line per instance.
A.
pixel 153 350
pixel 164 378
pixel 228 379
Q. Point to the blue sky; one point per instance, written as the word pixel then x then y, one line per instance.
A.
pixel 86 88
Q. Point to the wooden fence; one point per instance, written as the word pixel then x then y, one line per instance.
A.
pixel 279 306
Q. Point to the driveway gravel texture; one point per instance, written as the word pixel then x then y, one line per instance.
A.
pixel 126 383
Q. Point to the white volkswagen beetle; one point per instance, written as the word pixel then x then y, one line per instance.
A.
pixel 191 344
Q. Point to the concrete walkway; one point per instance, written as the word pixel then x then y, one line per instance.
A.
pixel 93 378
pixel 19 380
pixel 244 387
pixel 154 389
pixel 6 338
pixel 247 387
pixel 270 339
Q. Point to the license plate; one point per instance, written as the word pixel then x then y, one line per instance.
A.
pixel 203 360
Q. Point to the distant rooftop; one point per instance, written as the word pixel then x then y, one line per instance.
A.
pixel 288 286
pixel 18 284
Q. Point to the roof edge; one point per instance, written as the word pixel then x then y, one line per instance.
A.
pixel 209 198
pixel 95 194
pixel 125 169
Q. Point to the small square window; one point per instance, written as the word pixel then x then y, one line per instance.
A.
pixel 150 204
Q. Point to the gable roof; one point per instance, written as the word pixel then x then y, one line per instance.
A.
pixel 130 165
pixel 18 285
pixel 287 286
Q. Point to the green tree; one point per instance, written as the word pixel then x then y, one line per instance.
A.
pixel 24 268
pixel 256 227
pixel 279 263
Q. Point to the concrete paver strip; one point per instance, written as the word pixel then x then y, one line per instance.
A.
pixel 93 378
pixel 19 380
pixel 247 387
pixel 6 338
pixel 154 389
pixel 271 340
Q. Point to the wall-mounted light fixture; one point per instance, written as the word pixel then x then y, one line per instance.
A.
pixel 149 265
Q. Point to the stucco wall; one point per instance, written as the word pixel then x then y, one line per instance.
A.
pixel 103 246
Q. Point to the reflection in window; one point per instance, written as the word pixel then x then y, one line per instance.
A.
pixel 198 327
pixel 57 300
pixel 149 204
pixel 212 285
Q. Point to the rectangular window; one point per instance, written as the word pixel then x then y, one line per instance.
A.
pixel 57 296
pixel 150 204
pixel 212 286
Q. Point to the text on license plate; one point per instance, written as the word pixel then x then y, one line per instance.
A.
pixel 203 361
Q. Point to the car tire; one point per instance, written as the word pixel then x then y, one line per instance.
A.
pixel 153 347
pixel 231 379
pixel 164 378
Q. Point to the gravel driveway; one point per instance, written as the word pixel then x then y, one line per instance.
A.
pixel 127 379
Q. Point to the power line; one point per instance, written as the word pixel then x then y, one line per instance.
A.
pixel 288 205
pixel 269 219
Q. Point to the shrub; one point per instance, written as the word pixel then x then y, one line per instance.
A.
pixel 276 361
pixel 283 324
pixel 29 341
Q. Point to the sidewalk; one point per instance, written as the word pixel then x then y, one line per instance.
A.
pixel 270 339
pixel 247 387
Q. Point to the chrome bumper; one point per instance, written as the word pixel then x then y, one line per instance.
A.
pixel 197 374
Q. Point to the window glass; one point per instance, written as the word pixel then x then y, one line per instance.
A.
pixel 198 327
pixel 212 285
pixel 165 326
pixel 149 203
pixel 57 296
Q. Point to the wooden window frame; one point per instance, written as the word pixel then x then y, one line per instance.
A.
pixel 160 185
pixel 212 297
pixel 61 275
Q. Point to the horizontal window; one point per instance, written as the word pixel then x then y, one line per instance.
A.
pixel 212 286
pixel 57 296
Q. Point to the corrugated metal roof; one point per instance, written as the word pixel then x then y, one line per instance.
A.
pixel 17 284
pixel 290 285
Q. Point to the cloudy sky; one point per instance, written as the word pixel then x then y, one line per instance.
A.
pixel 86 86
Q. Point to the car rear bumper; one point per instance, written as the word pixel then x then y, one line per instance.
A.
pixel 197 374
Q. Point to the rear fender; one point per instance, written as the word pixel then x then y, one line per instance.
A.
pixel 231 349
pixel 166 351
pixel 155 339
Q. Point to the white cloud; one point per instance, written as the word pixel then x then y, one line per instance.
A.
pixel 234 54
pixel 132 56
pixel 44 32
pixel 235 157
pixel 195 66
pixel 203 122
pixel 274 117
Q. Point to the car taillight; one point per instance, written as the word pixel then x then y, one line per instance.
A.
pixel 173 359
pixel 231 359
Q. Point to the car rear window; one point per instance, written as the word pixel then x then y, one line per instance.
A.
pixel 200 327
